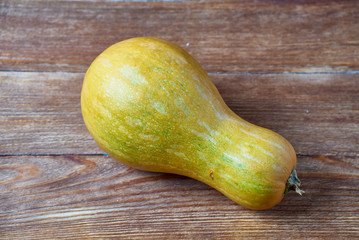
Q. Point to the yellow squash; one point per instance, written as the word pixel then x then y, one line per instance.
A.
pixel 150 105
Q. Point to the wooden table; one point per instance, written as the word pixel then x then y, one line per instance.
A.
pixel 291 66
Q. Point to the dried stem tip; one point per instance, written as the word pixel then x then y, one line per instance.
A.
pixel 293 183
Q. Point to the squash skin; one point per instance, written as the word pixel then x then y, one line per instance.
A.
pixel 151 106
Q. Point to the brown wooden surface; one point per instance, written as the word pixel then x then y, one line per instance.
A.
pixel 291 66
pixel 225 36
pixel 94 196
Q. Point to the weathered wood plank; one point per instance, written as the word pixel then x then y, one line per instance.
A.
pixel 225 36
pixel 318 113
pixel 77 197
pixel 41 113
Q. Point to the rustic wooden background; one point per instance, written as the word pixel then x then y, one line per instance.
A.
pixel 291 66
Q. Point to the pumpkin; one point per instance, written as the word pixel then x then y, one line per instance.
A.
pixel 150 105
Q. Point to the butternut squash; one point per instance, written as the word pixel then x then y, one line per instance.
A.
pixel 151 106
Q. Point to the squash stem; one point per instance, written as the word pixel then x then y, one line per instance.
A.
pixel 293 183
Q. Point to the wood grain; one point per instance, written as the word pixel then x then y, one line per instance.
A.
pixel 41 114
pixel 225 36
pixel 82 197
pixel 317 113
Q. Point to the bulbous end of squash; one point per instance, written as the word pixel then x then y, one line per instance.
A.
pixel 293 183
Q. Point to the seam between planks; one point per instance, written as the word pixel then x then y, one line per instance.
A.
pixel 105 154
pixel 212 73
